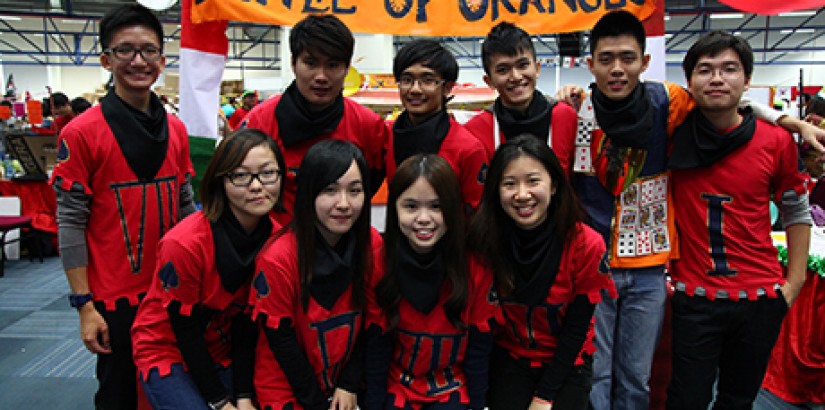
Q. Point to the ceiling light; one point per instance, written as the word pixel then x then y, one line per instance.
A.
pixel 10 18
pixel 798 31
pixel 720 16
pixel 65 21
pixel 667 17
pixel 797 14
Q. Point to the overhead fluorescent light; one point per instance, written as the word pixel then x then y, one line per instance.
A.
pixel 10 18
pixel 798 31
pixel 69 21
pixel 668 35
pixel 667 17
pixel 720 16
pixel 546 39
pixel 797 14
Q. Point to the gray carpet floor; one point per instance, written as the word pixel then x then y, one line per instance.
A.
pixel 43 364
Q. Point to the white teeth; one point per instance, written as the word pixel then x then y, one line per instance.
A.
pixel 424 232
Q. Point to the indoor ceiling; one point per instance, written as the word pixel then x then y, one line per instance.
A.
pixel 63 32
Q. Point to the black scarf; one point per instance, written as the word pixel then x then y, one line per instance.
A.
pixel 420 276
pixel 333 270
pixel 536 256
pixel 698 144
pixel 235 249
pixel 143 137
pixel 424 138
pixel 297 122
pixel 535 121
pixel 627 122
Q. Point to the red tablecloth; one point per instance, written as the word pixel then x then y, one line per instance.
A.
pixel 37 199
pixel 796 372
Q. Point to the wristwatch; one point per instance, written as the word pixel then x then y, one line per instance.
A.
pixel 77 300
pixel 218 405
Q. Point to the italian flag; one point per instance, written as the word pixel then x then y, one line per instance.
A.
pixel 202 57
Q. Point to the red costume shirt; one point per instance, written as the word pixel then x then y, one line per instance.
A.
pixel 428 351
pixel 532 334
pixel 723 220
pixel 126 217
pixel 326 337
pixel 186 273
pixel 359 126
pixel 464 153
pixel 562 128
pixel 236 117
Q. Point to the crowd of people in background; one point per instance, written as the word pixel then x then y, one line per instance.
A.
pixel 525 259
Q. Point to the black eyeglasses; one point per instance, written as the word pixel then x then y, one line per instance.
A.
pixel 426 83
pixel 127 53
pixel 244 179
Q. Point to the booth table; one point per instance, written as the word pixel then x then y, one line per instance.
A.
pixel 37 199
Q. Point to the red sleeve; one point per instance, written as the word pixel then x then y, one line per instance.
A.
pixel 276 288
pixel 590 271
pixel 483 304
pixel 481 126
pixel 180 272
pixel 186 167
pixel 377 133
pixel 788 177
pixel 473 171
pixel 374 315
pixel 75 160
pixel 564 125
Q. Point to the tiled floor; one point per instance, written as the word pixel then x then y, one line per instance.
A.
pixel 43 364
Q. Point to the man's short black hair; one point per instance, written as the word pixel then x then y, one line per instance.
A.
pixel 507 39
pixel 59 99
pixel 714 42
pixel 430 54
pixel 128 15
pixel 79 105
pixel 615 24
pixel 325 35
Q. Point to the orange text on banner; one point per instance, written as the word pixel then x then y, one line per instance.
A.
pixel 425 17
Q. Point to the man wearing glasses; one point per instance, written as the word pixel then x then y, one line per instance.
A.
pixel 122 181
pixel 426 73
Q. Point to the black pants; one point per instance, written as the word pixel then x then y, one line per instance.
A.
pixel 513 383
pixel 116 372
pixel 731 340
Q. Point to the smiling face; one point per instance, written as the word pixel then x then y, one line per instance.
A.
pixel 425 94
pixel 718 82
pixel 617 63
pixel 252 202
pixel 318 78
pixel 525 192
pixel 514 77
pixel 419 216
pixel 133 78
pixel 339 205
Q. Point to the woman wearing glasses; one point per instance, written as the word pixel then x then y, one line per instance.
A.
pixel 426 73
pixel 193 337
pixel 308 294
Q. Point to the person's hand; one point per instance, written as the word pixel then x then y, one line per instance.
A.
pixel 540 405
pixel 813 135
pixel 572 95
pixel 245 404
pixel 93 330
pixel 343 400
pixel 790 291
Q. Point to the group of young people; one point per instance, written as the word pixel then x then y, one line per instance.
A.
pixel 505 237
